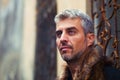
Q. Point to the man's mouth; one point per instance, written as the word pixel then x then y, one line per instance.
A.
pixel 65 48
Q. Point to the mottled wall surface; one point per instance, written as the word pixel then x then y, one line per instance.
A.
pixel 106 19
pixel 10 38
pixel 45 60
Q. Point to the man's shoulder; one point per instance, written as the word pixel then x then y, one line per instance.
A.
pixel 111 73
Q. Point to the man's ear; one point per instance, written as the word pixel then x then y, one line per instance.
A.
pixel 90 39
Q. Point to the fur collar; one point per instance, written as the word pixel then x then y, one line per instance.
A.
pixel 88 66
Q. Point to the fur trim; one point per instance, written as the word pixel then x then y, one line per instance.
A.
pixel 88 66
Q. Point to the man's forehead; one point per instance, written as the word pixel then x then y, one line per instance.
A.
pixel 68 23
pixel 65 28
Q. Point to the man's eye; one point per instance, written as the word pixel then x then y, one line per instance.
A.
pixel 58 34
pixel 71 32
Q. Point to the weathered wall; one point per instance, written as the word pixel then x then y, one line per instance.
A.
pixel 10 38
pixel 45 59
pixel 17 39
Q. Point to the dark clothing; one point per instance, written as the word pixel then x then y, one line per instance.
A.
pixel 111 73
pixel 108 71
pixel 93 67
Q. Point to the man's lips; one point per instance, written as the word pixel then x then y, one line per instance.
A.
pixel 64 48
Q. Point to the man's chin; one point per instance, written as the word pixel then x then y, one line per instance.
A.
pixel 69 58
pixel 66 58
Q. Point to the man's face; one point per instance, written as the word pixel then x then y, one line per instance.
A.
pixel 71 40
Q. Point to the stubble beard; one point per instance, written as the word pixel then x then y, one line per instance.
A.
pixel 69 58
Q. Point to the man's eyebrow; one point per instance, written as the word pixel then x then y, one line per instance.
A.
pixel 71 28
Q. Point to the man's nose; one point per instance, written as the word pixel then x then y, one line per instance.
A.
pixel 64 37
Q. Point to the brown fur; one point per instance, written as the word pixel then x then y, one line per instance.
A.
pixel 90 67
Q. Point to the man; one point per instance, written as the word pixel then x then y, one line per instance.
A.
pixel 75 41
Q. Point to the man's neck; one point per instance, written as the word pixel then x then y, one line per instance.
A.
pixel 84 63
pixel 77 64
pixel 74 67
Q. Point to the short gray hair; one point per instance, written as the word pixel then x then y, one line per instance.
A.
pixel 86 21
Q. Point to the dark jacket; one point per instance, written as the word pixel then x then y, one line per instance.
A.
pixel 105 70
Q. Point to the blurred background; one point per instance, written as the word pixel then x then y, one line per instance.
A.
pixel 27 35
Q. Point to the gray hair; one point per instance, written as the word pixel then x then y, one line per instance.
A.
pixel 86 21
